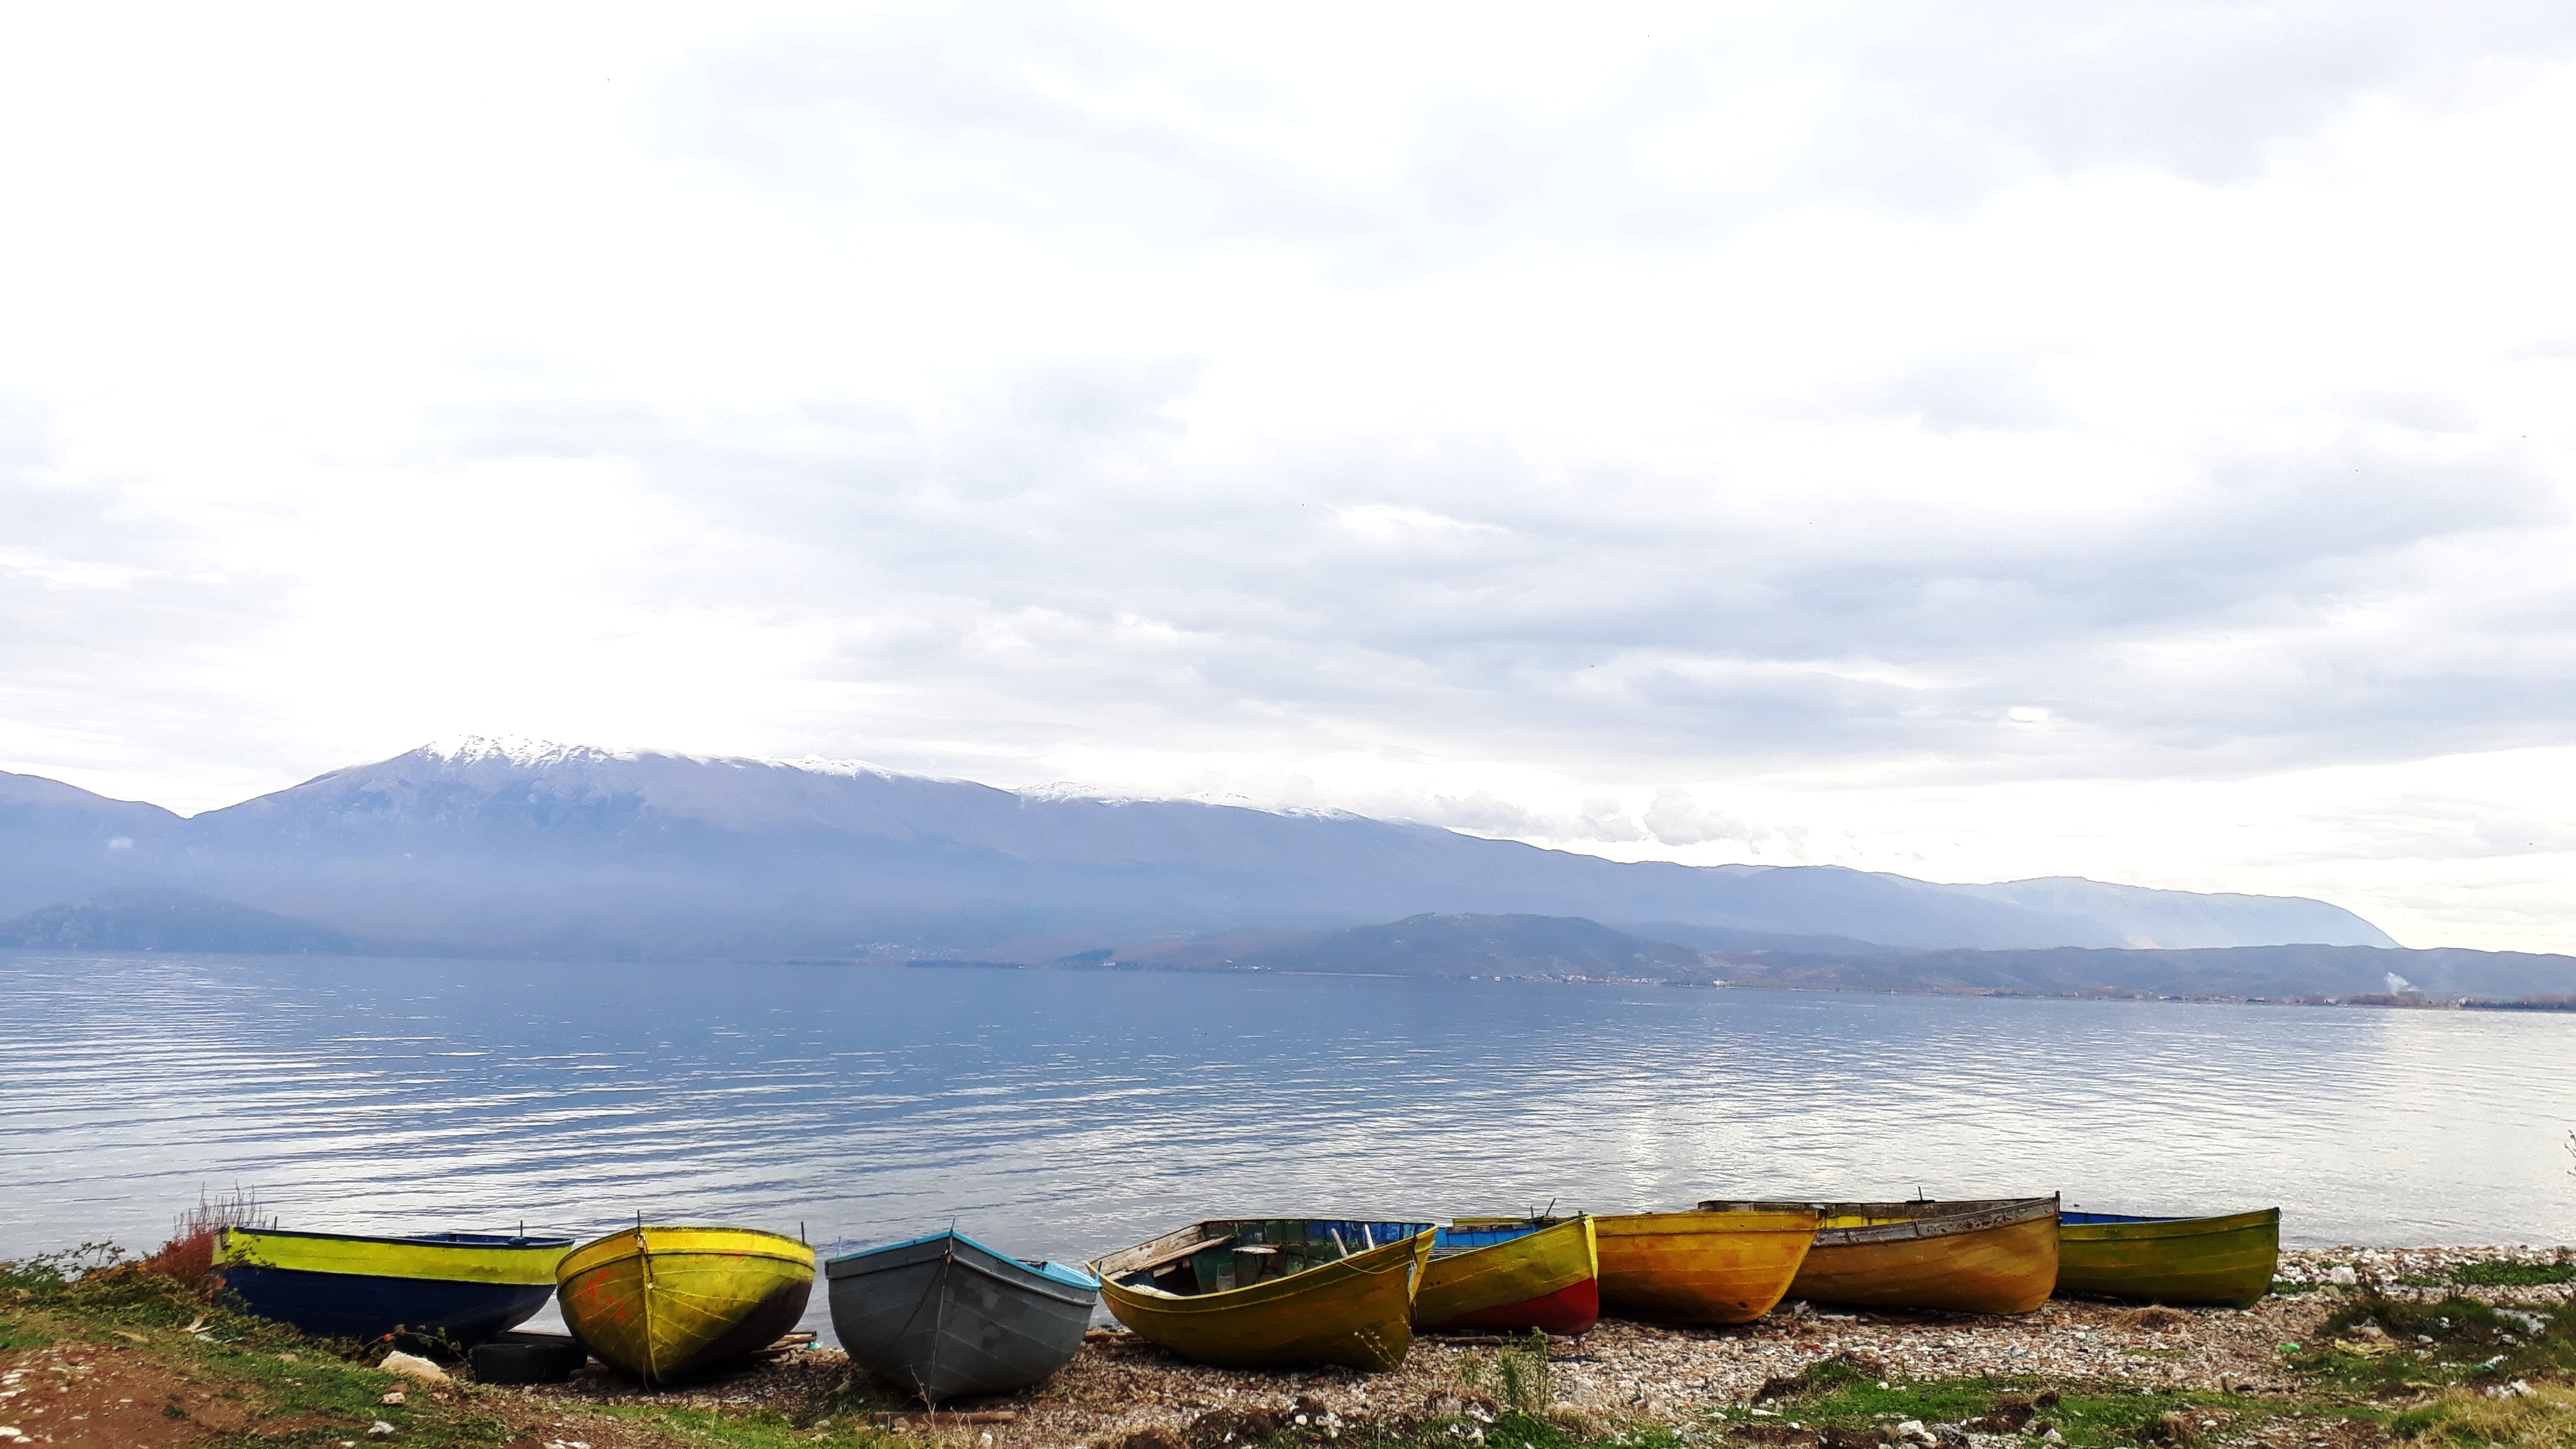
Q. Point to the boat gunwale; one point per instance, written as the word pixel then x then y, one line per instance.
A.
pixel 852 1267
pixel 1293 1285
pixel 611 1249
pixel 1971 1216
pixel 1517 1240
pixel 474 1242
pixel 1732 1218
pixel 1529 1228
pixel 2183 1227
pixel 505 1261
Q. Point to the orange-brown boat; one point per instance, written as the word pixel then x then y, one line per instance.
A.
pixel 1701 1267
pixel 1991 1256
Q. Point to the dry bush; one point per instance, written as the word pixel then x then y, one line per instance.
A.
pixel 2543 1417
pixel 2155 1318
pixel 190 1254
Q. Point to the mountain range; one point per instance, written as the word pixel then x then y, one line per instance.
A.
pixel 499 847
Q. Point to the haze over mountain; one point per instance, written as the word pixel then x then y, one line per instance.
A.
pixel 1559 947
pixel 147 918
pixel 560 849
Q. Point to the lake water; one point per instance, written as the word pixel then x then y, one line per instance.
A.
pixel 1067 1113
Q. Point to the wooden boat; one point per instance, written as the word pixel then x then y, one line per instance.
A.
pixel 2230 1259
pixel 946 1317
pixel 1701 1267
pixel 1994 1256
pixel 1512 1273
pixel 661 1302
pixel 462 1288
pixel 1271 1292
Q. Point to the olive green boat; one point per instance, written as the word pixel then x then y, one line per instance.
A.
pixel 2229 1259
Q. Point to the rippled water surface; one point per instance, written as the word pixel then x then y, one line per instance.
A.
pixel 1065 1113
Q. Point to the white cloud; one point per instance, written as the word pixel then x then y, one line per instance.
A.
pixel 1943 442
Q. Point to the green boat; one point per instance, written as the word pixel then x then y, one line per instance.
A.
pixel 2227 1259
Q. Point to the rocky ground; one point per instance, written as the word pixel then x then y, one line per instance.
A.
pixel 127 1365
pixel 1121 1388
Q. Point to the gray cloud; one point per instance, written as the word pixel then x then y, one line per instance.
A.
pixel 1047 565
pixel 1021 115
pixel 99 588
pixel 933 110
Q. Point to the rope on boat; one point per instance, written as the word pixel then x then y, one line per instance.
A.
pixel 937 1280
pixel 644 1254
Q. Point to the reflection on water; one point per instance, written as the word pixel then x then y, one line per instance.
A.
pixel 1065 1113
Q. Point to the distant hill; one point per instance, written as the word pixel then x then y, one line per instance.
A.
pixel 1440 945
pixel 1512 945
pixel 1729 938
pixel 143 919
pixel 557 850
pixel 1557 947
pixel 2273 972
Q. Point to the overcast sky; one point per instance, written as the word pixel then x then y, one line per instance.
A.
pixel 1976 441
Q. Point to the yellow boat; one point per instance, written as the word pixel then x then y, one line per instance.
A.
pixel 2229 1259
pixel 660 1302
pixel 1272 1292
pixel 1993 1256
pixel 1701 1267
pixel 1511 1273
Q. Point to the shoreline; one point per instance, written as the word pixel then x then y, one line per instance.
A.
pixel 151 1362
pixel 1628 1374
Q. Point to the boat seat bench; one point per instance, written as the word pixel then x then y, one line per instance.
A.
pixel 1174 1255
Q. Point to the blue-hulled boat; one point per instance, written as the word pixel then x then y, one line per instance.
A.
pixel 947 1317
pixel 462 1288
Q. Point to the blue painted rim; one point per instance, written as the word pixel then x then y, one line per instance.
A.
pixel 1071 1277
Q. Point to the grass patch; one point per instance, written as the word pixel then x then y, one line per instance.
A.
pixel 2545 1418
pixel 289 1389
pixel 760 1429
pixel 2435 1345
pixel 1846 1394
pixel 2500 1274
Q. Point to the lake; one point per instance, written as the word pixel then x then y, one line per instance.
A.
pixel 1065 1113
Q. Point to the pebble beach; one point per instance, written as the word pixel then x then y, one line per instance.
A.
pixel 1121 1392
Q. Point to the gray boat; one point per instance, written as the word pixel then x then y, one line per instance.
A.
pixel 948 1318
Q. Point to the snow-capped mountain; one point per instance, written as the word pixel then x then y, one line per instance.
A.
pixel 531 846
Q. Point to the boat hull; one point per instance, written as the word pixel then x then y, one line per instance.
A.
pixel 1701 1267
pixel 1356 1311
pixel 946 1317
pixel 1512 1276
pixel 662 1302
pixel 457 1288
pixel 1962 1257
pixel 2231 1259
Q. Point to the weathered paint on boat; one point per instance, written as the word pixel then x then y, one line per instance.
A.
pixel 460 1287
pixel 1512 1273
pixel 2230 1259
pixel 946 1317
pixel 1993 1256
pixel 660 1301
pixel 1701 1267
pixel 1273 1292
